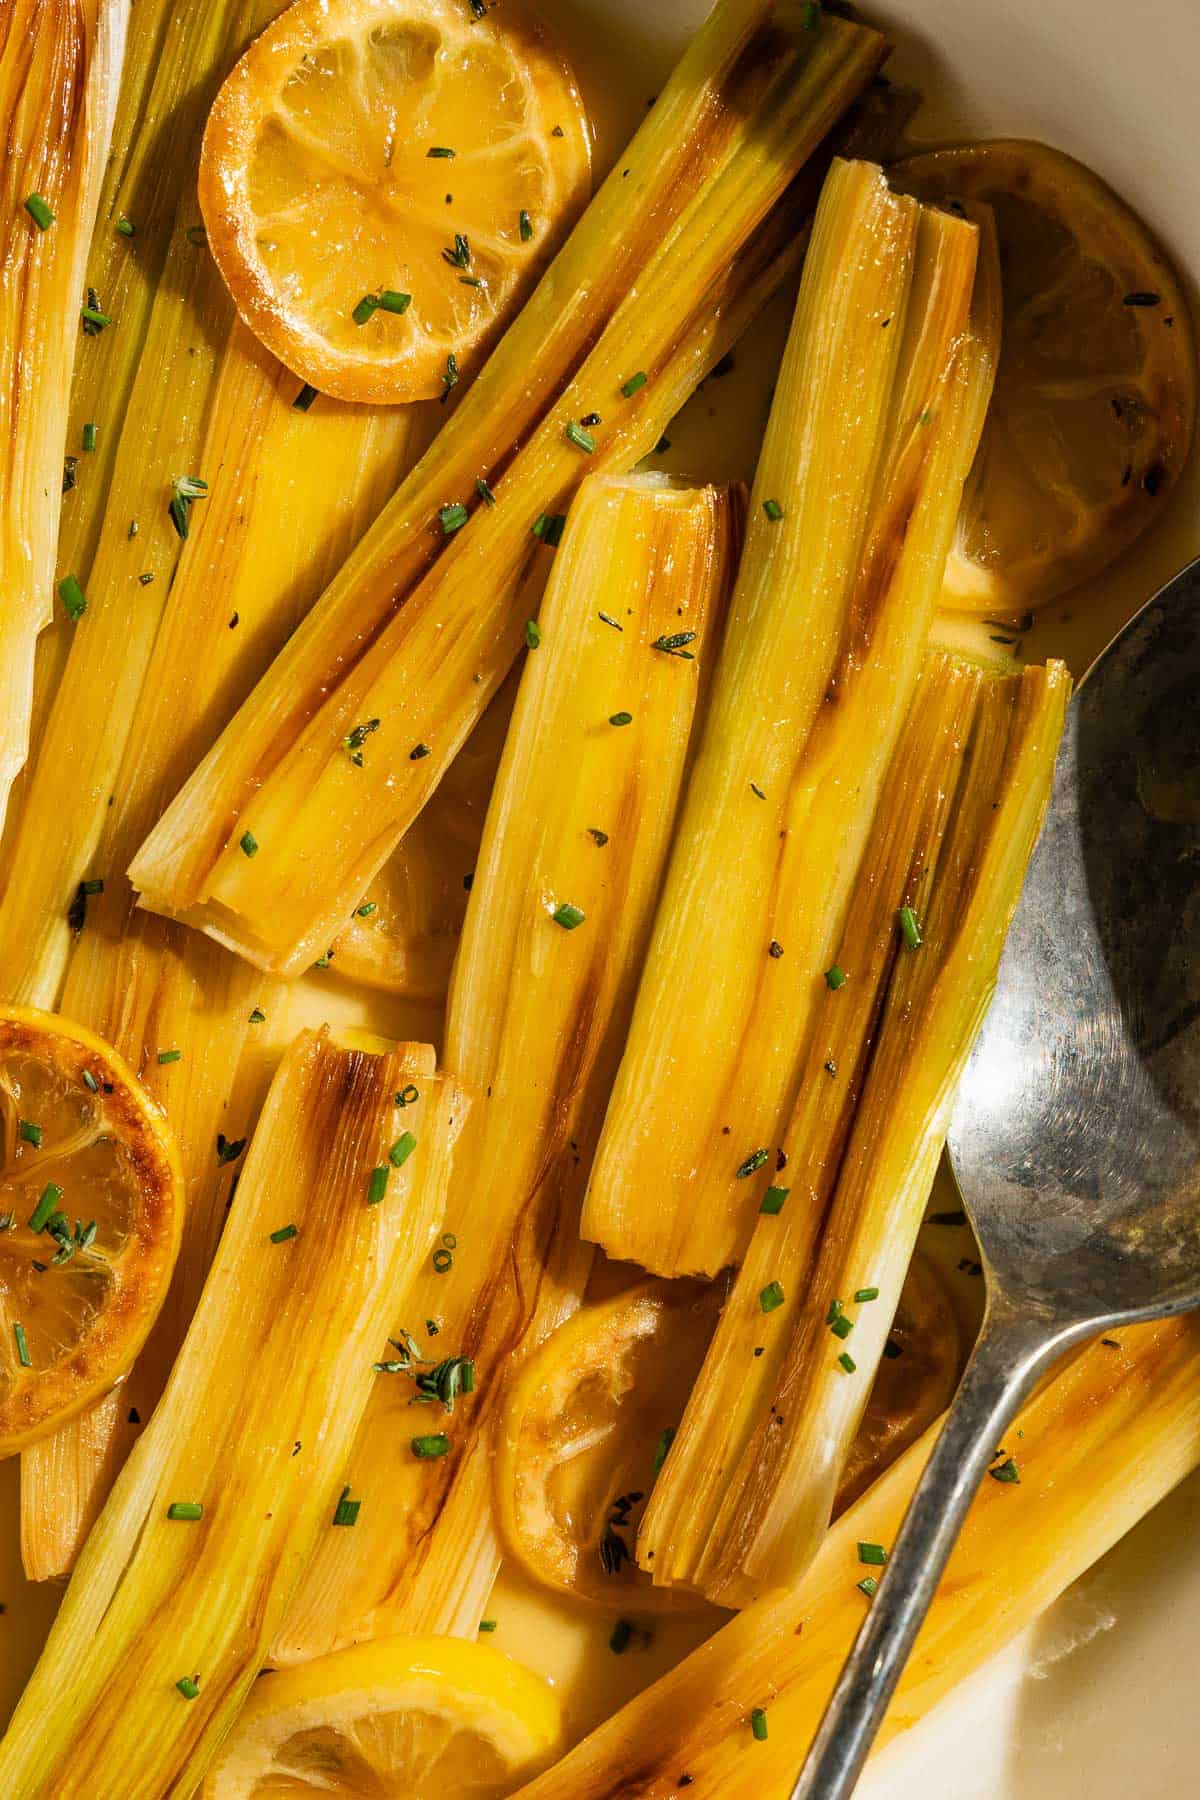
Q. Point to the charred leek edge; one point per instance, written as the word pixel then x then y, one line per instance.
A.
pixel 1096 1449
pixel 573 850
pixel 324 827
pixel 257 1423
pixel 778 1501
pixel 60 67
pixel 276 521
pixel 742 1369
pixel 855 502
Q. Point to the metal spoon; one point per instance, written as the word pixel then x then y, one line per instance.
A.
pixel 1076 1133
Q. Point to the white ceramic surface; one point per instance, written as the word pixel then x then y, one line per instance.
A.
pixel 1098 1699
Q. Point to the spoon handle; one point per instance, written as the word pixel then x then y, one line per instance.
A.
pixel 1010 1353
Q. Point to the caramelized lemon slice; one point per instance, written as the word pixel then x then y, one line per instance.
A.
pixel 91 1206
pixel 1092 415
pixel 383 180
pixel 428 1718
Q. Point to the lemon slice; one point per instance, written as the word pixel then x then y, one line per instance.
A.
pixel 915 1381
pixel 1094 405
pixel 428 1718
pixel 383 180
pixel 581 1434
pixel 91 1207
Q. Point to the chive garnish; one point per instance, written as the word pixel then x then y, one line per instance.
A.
pixel 346 1510
pixel 549 527
pixel 450 378
pixel 568 916
pixel 368 305
pixel 1007 1471
pixel 248 844
pixel 126 227
pixel 484 491
pixel 434 1444
pixel 910 928
pixel 408 1096
pixel 90 435
pixel 629 388
pixel 258 1016
pixel 460 256
pixel 402 1149
pixel 169 1056
pixel 229 1149
pixel 607 619
pixel 354 740
pixel 620 718
pixel 525 225
pixel 597 836
pixel 773 510
pixel 391 301
pixel 835 977
pixel 865 1294
pixel 73 598
pixel 771 1296
pixel 841 1326
pixel 366 909
pixel 672 644
pixel 284 1233
pixel 91 317
pixel 90 1082
pixel 185 1509
pixel 39 212
pixel 453 517
pixel 304 398
pixel 666 1439
pixel 439 150
pixel 758 1724
pixel 773 1199
pixel 419 752
pixel 487 1624
pixel 533 634
pixel 754 1161
pixel 46 1206
pixel 874 1555
pixel 442 1261
pixel 23 1356
pixel 31 1133
pixel 189 1687
pixel 184 490
pixel 582 440
pixel 847 1362
pixel 377 1185
pixel 868 1586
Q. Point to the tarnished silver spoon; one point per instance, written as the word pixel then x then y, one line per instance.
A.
pixel 1076 1134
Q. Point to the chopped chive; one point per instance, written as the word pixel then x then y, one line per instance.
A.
pixel 1007 1471
pixel 31 1133
pixel 46 1206
pixel 525 224
pixel 453 517
pixel 597 836
pixel 568 916
pixel 284 1233
pixel 666 1439
pixel 620 718
pixel 304 398
pixel 450 378
pixel 23 1356
pixel 549 527
pixel 184 489
pixel 126 227
pixel 868 1586
pixel 874 1555
pixel 248 843
pixel 835 978
pixel 758 1724
pixel 258 1016
pixel 460 256
pixel 90 436
pixel 841 1327
pixel 419 752
pixel 408 1096
pixel 835 1308
pixel 847 1362
pixel 910 929
pixel 90 1082
pixel 185 1509
pixel 439 150
pixel 434 1444
pixel 70 464
pixel 773 510
pixel 487 1624
pixel 91 317
pixel 672 644
pixel 391 301
pixel 771 1296
pixel 366 909
pixel 368 305
pixel 229 1149
pixel 773 1199
pixel 629 388
pixel 533 634
pixel 189 1687
pixel 346 1511
pixel 442 1261
pixel 73 598
pixel 484 491
pixel 618 1642
pixel 169 1056
pixel 607 619
pixel 377 1185
pixel 865 1294
pixel 754 1161
pixel 582 440
pixel 402 1149
pixel 39 212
